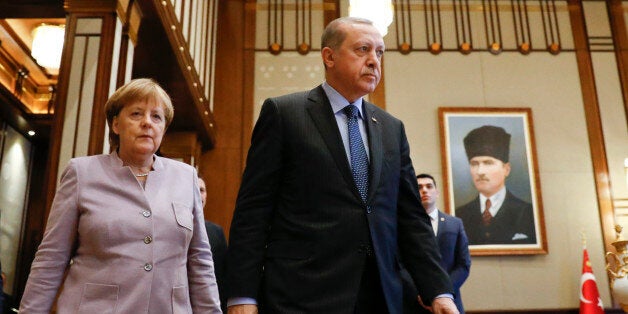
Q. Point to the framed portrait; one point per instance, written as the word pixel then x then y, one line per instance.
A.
pixel 491 180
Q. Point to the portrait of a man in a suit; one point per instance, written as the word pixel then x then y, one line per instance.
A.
pixel 496 215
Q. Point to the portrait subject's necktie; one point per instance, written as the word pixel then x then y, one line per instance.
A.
pixel 486 215
pixel 359 160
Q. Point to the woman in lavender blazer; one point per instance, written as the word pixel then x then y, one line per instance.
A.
pixel 127 227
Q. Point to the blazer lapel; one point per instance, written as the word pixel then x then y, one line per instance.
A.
pixel 325 121
pixel 374 130
pixel 124 172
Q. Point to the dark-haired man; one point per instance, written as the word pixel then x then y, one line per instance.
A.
pixel 452 243
pixel 218 244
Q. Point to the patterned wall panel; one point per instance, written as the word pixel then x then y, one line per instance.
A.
pixel 429 25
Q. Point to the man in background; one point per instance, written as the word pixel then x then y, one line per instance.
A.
pixel 452 243
pixel 218 244
pixel 496 216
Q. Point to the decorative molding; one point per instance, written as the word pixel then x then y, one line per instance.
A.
pixel 176 31
pixel 292 26
pixel 91 6
pixel 480 26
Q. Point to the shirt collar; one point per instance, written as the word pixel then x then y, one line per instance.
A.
pixel 117 162
pixel 338 102
pixel 434 214
pixel 496 200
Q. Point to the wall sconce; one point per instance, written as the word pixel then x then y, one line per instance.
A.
pixel 379 11
pixel 48 45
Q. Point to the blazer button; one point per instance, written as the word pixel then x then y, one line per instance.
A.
pixel 148 267
pixel 148 239
pixel 146 213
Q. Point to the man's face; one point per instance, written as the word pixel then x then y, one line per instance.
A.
pixel 489 174
pixel 354 68
pixel 203 188
pixel 428 192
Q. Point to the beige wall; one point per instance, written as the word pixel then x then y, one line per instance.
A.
pixel 417 84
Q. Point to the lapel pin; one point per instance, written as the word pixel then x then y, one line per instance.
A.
pixel 442 219
pixel 374 120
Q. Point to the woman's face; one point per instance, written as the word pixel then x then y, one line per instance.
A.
pixel 140 126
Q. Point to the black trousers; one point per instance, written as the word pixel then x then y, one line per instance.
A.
pixel 371 298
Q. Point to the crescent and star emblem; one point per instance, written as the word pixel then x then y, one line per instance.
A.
pixel 586 277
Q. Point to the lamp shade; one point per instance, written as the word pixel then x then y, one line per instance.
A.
pixel 48 45
pixel 379 11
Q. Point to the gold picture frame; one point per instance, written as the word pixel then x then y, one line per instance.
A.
pixel 518 226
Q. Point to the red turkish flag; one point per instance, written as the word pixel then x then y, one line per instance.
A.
pixel 590 302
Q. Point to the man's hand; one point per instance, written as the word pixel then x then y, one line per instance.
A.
pixel 246 309
pixel 444 306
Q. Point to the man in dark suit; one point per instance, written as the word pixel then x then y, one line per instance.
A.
pixel 452 242
pixel 328 200
pixel 218 244
pixel 496 216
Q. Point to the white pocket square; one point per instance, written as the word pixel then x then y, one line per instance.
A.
pixel 519 236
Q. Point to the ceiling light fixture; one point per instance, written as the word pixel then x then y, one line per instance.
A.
pixel 48 45
pixel 378 11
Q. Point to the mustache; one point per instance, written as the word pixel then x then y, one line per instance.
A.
pixel 369 71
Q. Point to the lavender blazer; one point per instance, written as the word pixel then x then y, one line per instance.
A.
pixel 125 249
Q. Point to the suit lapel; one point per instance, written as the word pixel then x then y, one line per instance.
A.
pixel 325 121
pixel 441 225
pixel 508 209
pixel 374 130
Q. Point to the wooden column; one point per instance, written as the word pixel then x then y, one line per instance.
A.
pixel 620 39
pixel 84 84
pixel 79 122
pixel 182 146
pixel 222 166
pixel 594 123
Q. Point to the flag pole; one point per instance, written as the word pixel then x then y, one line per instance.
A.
pixel 583 238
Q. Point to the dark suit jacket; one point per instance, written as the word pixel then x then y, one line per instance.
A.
pixel 1 291
pixel 300 232
pixel 218 244
pixel 513 224
pixel 455 259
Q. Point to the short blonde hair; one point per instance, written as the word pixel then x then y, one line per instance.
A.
pixel 137 90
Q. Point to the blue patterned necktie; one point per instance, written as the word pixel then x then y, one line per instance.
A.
pixel 359 160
